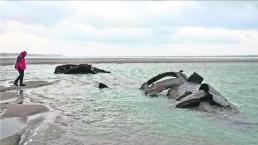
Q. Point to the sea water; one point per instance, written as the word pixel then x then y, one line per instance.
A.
pixel 122 115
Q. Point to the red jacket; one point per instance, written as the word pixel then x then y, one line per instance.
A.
pixel 20 62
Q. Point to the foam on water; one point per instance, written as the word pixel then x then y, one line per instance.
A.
pixel 122 114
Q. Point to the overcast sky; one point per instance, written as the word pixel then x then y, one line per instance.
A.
pixel 124 28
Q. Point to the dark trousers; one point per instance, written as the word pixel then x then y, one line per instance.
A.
pixel 20 77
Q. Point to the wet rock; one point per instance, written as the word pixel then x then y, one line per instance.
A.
pixel 189 103
pixel 188 92
pixel 195 78
pixel 101 86
pixel 64 68
pixel 78 69
pixel 97 70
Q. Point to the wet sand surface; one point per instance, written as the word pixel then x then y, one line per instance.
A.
pixel 19 110
pixel 15 111
pixel 10 140
pixel 7 95
pixel 29 84
pixel 10 61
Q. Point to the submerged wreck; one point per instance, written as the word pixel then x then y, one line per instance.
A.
pixel 78 69
pixel 189 92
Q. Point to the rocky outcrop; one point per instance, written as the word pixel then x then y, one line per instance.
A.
pixel 102 86
pixel 189 92
pixel 78 69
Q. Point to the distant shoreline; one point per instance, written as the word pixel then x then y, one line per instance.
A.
pixel 11 61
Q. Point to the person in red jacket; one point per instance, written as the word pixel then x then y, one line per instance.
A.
pixel 20 66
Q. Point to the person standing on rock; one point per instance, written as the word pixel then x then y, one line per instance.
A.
pixel 20 66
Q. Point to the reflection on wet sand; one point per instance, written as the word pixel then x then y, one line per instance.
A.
pixel 20 97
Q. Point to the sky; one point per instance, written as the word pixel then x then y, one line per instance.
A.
pixel 129 28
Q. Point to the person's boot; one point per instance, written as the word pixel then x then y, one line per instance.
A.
pixel 15 83
pixel 21 83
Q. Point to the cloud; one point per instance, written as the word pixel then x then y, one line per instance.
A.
pixel 139 28
pixel 185 41
pixel 121 35
pixel 34 12
pixel 16 42
pixel 233 15
pixel 227 14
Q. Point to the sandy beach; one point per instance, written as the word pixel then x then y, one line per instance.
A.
pixel 30 84
pixel 7 95
pixel 12 109
pixel 15 111
pixel 10 61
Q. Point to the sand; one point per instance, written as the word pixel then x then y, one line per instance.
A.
pixel 11 61
pixel 7 95
pixel 11 113
pixel 11 140
pixel 29 84
pixel 20 110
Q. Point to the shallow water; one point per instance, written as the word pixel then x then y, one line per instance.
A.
pixel 122 114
